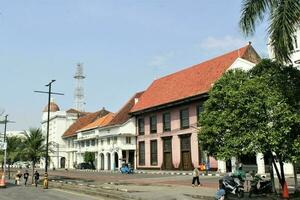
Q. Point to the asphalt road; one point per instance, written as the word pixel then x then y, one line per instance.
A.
pixel 12 192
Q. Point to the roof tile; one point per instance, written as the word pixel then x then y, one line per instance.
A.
pixel 191 81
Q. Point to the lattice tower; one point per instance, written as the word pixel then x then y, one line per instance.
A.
pixel 79 91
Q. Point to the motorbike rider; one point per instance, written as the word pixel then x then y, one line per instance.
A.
pixel 240 173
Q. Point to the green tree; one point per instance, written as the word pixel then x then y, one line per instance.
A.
pixel 255 111
pixel 284 16
pixel 89 157
pixel 14 151
pixel 34 147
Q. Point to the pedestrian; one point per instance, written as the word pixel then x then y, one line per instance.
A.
pixel 36 177
pixel 26 175
pixel 18 176
pixel 196 177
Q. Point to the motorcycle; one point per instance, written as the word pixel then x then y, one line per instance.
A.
pixel 232 185
pixel 260 186
pixel 126 169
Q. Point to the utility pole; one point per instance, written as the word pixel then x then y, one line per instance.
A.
pixel 49 85
pixel 2 182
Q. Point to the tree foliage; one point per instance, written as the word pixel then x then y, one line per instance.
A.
pixel 255 111
pixel 34 146
pixel 89 157
pixel 283 20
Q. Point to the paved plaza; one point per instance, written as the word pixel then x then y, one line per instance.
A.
pixel 107 185
pixel 12 192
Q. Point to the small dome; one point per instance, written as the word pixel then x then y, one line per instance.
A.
pixel 53 107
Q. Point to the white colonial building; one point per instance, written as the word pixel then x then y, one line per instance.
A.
pixel 59 122
pixel 111 138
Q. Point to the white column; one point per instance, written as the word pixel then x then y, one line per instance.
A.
pixel 127 156
pixel 112 158
pixel 288 168
pixel 222 166
pixel 105 162
pixel 98 161
pixel 260 163
pixel 233 164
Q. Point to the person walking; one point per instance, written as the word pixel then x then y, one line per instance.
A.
pixel 26 175
pixel 18 176
pixel 196 177
pixel 36 177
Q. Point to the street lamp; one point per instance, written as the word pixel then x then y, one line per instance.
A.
pixel 48 120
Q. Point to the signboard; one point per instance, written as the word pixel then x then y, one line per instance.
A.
pixel 3 145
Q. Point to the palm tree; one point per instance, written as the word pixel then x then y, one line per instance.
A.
pixel 284 16
pixel 35 147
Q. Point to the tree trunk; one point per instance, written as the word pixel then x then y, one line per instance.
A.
pixel 33 164
pixel 295 178
pixel 9 170
pixel 276 168
pixel 272 175
pixel 282 173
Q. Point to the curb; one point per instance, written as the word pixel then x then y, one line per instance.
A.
pixel 150 172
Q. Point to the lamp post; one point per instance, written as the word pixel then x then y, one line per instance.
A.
pixel 49 85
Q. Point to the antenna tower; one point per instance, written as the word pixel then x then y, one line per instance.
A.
pixel 79 92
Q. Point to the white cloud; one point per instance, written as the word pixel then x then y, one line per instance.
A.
pixel 161 60
pixel 224 43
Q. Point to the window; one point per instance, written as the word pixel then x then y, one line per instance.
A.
pixel 141 126
pixel 166 121
pixel 108 140
pixel 87 143
pixel 128 140
pixel 184 119
pixel 115 140
pixel 153 152
pixel 200 109
pixel 93 142
pixel 153 124
pixel 141 153
pixel 82 143
pixel 102 142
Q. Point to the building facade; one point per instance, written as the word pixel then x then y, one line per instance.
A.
pixel 59 122
pixel 111 138
pixel 168 111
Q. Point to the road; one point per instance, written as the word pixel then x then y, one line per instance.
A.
pixel 139 179
pixel 12 192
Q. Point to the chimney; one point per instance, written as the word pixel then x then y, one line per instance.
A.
pixel 136 100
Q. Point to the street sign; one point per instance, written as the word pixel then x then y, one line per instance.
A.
pixel 3 145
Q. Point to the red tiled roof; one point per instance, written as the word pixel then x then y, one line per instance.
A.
pixel 98 123
pixel 192 81
pixel 122 115
pixel 84 121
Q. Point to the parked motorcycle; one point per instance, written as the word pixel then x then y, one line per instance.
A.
pixel 260 186
pixel 126 169
pixel 232 185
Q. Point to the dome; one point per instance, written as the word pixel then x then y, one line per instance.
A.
pixel 53 107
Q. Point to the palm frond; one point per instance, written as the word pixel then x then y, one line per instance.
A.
pixel 253 11
pixel 284 20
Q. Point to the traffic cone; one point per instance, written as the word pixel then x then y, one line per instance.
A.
pixel 285 191
pixel 2 181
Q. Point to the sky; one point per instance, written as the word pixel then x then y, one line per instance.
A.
pixel 123 44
